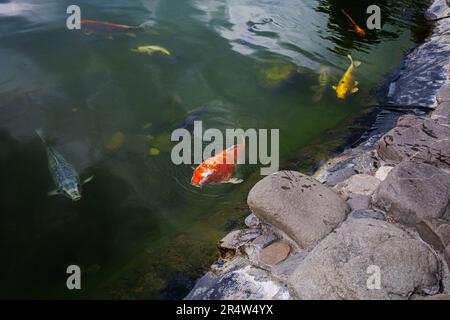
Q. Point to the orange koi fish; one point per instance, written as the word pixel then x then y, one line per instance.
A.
pixel 358 30
pixel 92 26
pixel 216 170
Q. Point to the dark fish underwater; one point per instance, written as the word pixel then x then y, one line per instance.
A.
pixel 63 173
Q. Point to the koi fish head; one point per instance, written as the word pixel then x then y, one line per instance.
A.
pixel 360 32
pixel 201 176
pixel 72 191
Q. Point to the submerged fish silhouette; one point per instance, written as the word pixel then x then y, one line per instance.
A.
pixel 63 173
pixel 322 85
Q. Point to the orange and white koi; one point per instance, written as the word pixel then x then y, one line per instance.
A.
pixel 357 29
pixel 217 170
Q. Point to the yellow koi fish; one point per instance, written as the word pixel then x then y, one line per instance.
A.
pixel 347 85
pixel 151 49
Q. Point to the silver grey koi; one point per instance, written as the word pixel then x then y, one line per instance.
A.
pixel 63 173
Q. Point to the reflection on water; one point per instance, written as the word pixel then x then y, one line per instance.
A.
pixel 394 17
pixel 140 230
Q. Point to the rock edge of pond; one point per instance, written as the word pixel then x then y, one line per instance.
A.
pixel 372 223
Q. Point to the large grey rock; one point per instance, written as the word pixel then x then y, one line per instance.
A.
pixel 252 221
pixel 367 214
pixel 340 175
pixel 442 113
pixel 366 162
pixel 231 241
pixel 414 192
pixel 383 172
pixel 447 255
pixel 339 267
pixel 418 139
pixel 438 9
pixel 288 266
pixel 360 160
pixel 436 232
pixel 237 238
pixel 359 202
pixel 443 94
pixel 238 281
pixel 422 73
pixel 300 206
pixel 360 184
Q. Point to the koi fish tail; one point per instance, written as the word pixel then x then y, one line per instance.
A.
pixel 354 63
pixel 348 17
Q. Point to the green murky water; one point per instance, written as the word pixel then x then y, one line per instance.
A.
pixel 141 231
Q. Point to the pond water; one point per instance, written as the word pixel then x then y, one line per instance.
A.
pixel 141 231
